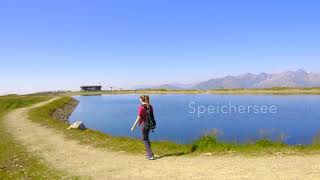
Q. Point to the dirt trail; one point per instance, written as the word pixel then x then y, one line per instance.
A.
pixel 82 160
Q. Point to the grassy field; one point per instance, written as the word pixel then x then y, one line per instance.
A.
pixel 15 161
pixel 206 144
pixel 274 91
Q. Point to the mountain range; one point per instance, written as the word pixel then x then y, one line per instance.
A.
pixel 299 78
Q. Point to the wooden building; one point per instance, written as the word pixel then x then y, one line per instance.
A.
pixel 91 88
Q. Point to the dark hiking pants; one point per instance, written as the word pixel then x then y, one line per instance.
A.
pixel 145 138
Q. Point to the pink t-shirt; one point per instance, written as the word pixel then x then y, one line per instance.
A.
pixel 142 112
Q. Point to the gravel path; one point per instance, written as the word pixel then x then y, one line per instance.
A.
pixel 82 160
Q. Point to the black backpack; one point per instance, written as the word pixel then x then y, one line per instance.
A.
pixel 150 121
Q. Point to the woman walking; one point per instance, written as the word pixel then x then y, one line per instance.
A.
pixel 142 121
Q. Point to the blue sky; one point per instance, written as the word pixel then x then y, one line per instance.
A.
pixel 62 44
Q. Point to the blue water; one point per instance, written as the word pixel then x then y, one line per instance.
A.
pixel 295 121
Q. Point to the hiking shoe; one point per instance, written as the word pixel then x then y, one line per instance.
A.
pixel 151 158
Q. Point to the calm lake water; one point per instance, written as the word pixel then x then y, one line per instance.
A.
pixel 236 118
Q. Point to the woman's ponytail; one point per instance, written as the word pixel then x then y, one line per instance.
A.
pixel 145 99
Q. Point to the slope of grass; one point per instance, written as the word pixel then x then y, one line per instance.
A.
pixel 209 144
pixel 15 161
pixel 273 91
pixel 205 144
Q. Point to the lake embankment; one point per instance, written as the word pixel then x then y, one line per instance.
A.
pixel 63 113
pixel 78 154
pixel 273 91
pixel 206 144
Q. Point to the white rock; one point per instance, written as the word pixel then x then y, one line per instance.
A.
pixel 206 154
pixel 78 125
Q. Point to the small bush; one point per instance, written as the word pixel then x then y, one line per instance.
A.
pixel 264 143
pixel 204 142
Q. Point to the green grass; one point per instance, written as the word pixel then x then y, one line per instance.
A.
pixel 263 146
pixel 97 139
pixel 273 91
pixel 205 144
pixel 15 161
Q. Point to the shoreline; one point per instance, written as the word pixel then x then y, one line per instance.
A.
pixel 68 154
pixel 205 144
pixel 64 113
pixel 268 91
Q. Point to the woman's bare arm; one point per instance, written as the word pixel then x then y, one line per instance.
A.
pixel 135 123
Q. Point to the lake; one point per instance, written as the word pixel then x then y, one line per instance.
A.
pixel 294 119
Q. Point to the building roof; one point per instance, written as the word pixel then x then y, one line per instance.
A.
pixel 90 86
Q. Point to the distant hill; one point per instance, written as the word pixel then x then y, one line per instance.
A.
pixel 299 78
